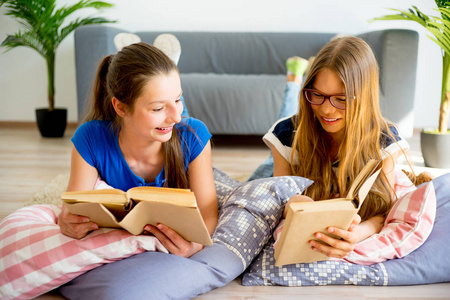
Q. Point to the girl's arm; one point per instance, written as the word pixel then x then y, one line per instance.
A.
pixel 281 166
pixel 201 182
pixel 357 232
pixel 82 177
pixel 389 169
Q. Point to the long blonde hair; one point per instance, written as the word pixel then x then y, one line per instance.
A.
pixel 124 75
pixel 354 63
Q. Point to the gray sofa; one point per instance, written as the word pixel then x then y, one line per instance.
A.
pixel 233 81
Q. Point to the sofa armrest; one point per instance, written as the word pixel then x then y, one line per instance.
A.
pixel 396 53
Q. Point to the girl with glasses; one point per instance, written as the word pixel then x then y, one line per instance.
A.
pixel 337 130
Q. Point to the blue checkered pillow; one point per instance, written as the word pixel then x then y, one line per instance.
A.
pixel 430 263
pixel 249 212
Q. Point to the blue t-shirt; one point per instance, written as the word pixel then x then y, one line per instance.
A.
pixel 99 147
pixel 281 136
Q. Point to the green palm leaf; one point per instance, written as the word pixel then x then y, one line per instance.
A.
pixel 40 28
pixel 80 22
pixel 404 15
pixel 23 39
pixel 66 11
pixel 439 27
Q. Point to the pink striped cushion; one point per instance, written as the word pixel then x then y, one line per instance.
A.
pixel 36 258
pixel 407 226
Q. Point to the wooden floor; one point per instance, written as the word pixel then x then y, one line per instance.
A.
pixel 28 162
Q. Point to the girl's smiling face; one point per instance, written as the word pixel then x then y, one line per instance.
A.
pixel 331 118
pixel 157 109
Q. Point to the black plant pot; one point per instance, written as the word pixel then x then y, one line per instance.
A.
pixel 435 149
pixel 51 123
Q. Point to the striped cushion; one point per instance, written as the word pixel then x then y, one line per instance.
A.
pixel 407 226
pixel 36 258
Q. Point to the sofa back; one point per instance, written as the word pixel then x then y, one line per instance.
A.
pixel 241 53
pixel 233 81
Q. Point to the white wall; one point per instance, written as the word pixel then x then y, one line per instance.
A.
pixel 23 79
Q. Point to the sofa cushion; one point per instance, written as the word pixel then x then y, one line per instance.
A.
pixel 221 99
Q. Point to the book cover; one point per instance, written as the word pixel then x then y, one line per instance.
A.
pixel 132 210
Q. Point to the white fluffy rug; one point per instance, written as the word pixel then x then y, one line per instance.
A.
pixel 51 193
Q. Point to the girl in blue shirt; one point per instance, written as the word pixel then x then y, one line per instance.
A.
pixel 135 136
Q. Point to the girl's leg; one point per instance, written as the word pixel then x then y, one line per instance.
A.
pixel 296 67
pixel 156 275
pixel 289 105
pixel 264 170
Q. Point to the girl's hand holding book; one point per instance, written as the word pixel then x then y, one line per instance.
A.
pixel 173 242
pixel 342 245
pixel 74 225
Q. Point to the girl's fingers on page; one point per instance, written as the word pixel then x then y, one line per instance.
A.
pixel 73 225
pixel 76 219
pixel 327 250
pixel 182 247
pixel 67 217
pixel 348 236
pixel 162 237
pixel 174 237
pixel 82 229
pixel 173 242
pixel 334 247
pixel 158 234
pixel 355 222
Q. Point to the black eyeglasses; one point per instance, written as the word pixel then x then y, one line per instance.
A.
pixel 317 98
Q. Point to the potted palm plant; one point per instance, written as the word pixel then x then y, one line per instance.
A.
pixel 41 29
pixel 435 143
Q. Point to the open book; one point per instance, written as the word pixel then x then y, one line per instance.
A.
pixel 303 219
pixel 132 210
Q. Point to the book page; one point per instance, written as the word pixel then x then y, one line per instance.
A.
pixel 96 213
pixel 365 188
pixel 186 221
pixel 367 172
pixel 182 197
pixel 331 204
pixel 112 196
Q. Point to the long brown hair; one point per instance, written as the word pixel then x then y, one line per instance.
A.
pixel 354 63
pixel 123 75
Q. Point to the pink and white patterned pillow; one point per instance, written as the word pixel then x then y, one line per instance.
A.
pixel 36 258
pixel 407 226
